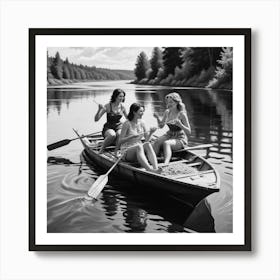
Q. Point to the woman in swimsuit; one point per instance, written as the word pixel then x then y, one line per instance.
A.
pixel 130 142
pixel 175 117
pixel 115 110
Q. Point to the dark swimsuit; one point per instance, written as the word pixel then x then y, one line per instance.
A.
pixel 113 121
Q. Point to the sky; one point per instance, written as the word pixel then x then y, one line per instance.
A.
pixel 105 57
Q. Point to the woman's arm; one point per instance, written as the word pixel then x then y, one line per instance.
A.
pixel 124 111
pixel 148 134
pixel 101 111
pixel 184 123
pixel 161 122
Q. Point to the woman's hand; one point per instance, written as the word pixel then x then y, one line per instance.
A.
pixel 153 129
pixel 178 122
pixel 156 115
pixel 118 153
pixel 100 107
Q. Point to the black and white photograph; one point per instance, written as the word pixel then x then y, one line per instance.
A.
pixel 138 142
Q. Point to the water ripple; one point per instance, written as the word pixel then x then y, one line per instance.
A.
pixel 72 182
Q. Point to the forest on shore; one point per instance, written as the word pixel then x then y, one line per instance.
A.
pixel 61 71
pixel 188 67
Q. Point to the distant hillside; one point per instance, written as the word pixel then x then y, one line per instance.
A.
pixel 64 71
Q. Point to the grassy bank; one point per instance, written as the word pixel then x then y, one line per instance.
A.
pixel 224 86
pixel 57 82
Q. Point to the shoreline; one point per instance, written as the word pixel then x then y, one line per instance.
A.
pixel 66 83
pixel 180 86
pixel 76 84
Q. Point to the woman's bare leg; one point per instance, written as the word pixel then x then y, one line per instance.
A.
pixel 168 147
pixel 158 144
pixel 137 153
pixel 151 154
pixel 142 158
pixel 110 137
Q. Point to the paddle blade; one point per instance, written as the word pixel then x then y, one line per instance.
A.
pixel 98 186
pixel 58 144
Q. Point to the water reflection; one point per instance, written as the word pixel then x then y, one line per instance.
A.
pixel 200 219
pixel 210 115
pixel 109 202
pixel 209 111
pixel 136 219
pixel 59 160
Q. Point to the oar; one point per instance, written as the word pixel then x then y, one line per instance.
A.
pixel 102 180
pixel 65 142
pixel 198 147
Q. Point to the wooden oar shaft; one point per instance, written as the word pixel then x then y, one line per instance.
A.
pixel 203 146
pixel 92 134
pixel 65 142
pixel 113 166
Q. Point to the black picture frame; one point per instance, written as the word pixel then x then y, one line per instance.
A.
pixel 246 32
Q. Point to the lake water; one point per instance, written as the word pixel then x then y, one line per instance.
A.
pixel 121 207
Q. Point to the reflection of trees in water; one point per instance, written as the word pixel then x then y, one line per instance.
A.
pixel 209 112
pixel 223 103
pixel 57 98
pixel 136 219
pixel 139 205
pixel 110 202
pixel 210 116
pixel 152 100
pixel 134 216
pixel 145 206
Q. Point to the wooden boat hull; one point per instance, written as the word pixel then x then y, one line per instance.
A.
pixel 183 189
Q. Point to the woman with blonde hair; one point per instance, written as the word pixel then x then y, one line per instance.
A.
pixel 175 117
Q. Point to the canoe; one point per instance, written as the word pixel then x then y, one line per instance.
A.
pixel 188 177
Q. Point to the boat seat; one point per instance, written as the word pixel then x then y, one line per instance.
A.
pixel 196 173
pixel 188 163
pixel 161 159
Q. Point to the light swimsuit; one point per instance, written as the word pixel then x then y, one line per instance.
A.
pixel 137 130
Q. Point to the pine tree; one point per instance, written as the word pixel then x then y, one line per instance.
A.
pixel 71 71
pixel 49 64
pixel 156 62
pixel 223 75
pixel 142 65
pixel 56 67
pixel 203 58
pixel 77 74
pixel 66 72
pixel 171 60
pixel 82 73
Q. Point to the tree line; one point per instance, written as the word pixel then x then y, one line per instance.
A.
pixel 195 67
pixel 60 69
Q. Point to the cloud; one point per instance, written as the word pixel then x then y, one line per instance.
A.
pixel 105 57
